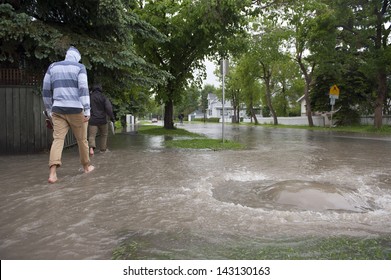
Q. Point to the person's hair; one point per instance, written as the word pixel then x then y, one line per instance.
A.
pixel 97 86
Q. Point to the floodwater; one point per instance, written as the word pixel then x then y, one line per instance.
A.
pixel 288 184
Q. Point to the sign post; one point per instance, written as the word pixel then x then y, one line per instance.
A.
pixel 333 94
pixel 223 71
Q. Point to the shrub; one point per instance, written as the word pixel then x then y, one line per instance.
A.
pixel 213 120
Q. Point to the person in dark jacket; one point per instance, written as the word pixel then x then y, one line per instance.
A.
pixel 101 109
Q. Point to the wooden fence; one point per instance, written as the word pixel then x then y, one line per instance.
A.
pixel 10 76
pixel 22 124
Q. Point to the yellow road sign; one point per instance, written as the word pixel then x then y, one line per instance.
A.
pixel 334 90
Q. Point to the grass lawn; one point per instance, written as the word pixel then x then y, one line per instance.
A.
pixel 191 141
pixel 386 130
pixel 159 130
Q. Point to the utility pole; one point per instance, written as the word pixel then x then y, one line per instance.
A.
pixel 223 71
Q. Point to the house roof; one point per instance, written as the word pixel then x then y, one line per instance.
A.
pixel 212 96
pixel 301 98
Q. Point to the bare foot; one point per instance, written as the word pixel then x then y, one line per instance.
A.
pixel 52 174
pixel 52 179
pixel 91 151
pixel 89 168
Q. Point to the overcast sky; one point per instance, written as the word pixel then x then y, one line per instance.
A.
pixel 211 79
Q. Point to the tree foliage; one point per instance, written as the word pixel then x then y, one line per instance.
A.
pixel 364 32
pixel 35 33
pixel 333 42
pixel 139 48
pixel 195 30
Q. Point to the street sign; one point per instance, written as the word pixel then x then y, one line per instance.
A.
pixel 332 99
pixel 333 94
pixel 334 91
pixel 224 67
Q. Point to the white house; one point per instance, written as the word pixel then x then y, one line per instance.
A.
pixel 303 105
pixel 215 108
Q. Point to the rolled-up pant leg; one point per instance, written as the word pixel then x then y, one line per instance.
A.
pixel 92 131
pixel 60 130
pixel 79 129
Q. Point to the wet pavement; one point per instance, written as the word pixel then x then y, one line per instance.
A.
pixel 287 183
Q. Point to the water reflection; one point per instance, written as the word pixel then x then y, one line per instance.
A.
pixel 168 197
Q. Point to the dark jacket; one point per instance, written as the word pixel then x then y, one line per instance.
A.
pixel 100 107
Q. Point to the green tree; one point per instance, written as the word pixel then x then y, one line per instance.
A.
pixel 349 41
pixel 195 29
pixel 268 50
pixel 35 33
pixel 288 88
pixel 233 91
pixel 355 97
pixel 313 40
pixel 364 29
pixel 247 76
pixel 189 100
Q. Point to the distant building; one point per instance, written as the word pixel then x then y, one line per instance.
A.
pixel 215 108
pixel 303 105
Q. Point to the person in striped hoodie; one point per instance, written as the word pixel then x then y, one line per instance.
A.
pixel 67 102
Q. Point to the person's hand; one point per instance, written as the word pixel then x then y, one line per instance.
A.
pixel 86 118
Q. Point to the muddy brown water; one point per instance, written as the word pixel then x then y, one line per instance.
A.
pixel 287 183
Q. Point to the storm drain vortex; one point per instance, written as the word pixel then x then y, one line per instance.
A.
pixel 292 195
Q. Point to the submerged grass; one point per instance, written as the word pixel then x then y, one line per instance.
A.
pixel 196 141
pixel 332 248
pixel 158 130
pixel 212 144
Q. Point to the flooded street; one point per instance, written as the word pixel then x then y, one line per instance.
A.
pixel 288 185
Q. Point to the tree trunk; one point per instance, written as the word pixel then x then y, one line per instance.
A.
pixel 308 105
pixel 380 99
pixel 168 114
pixel 234 120
pixel 381 75
pixel 253 115
pixel 308 80
pixel 269 101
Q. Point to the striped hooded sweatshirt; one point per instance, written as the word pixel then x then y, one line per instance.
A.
pixel 65 86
